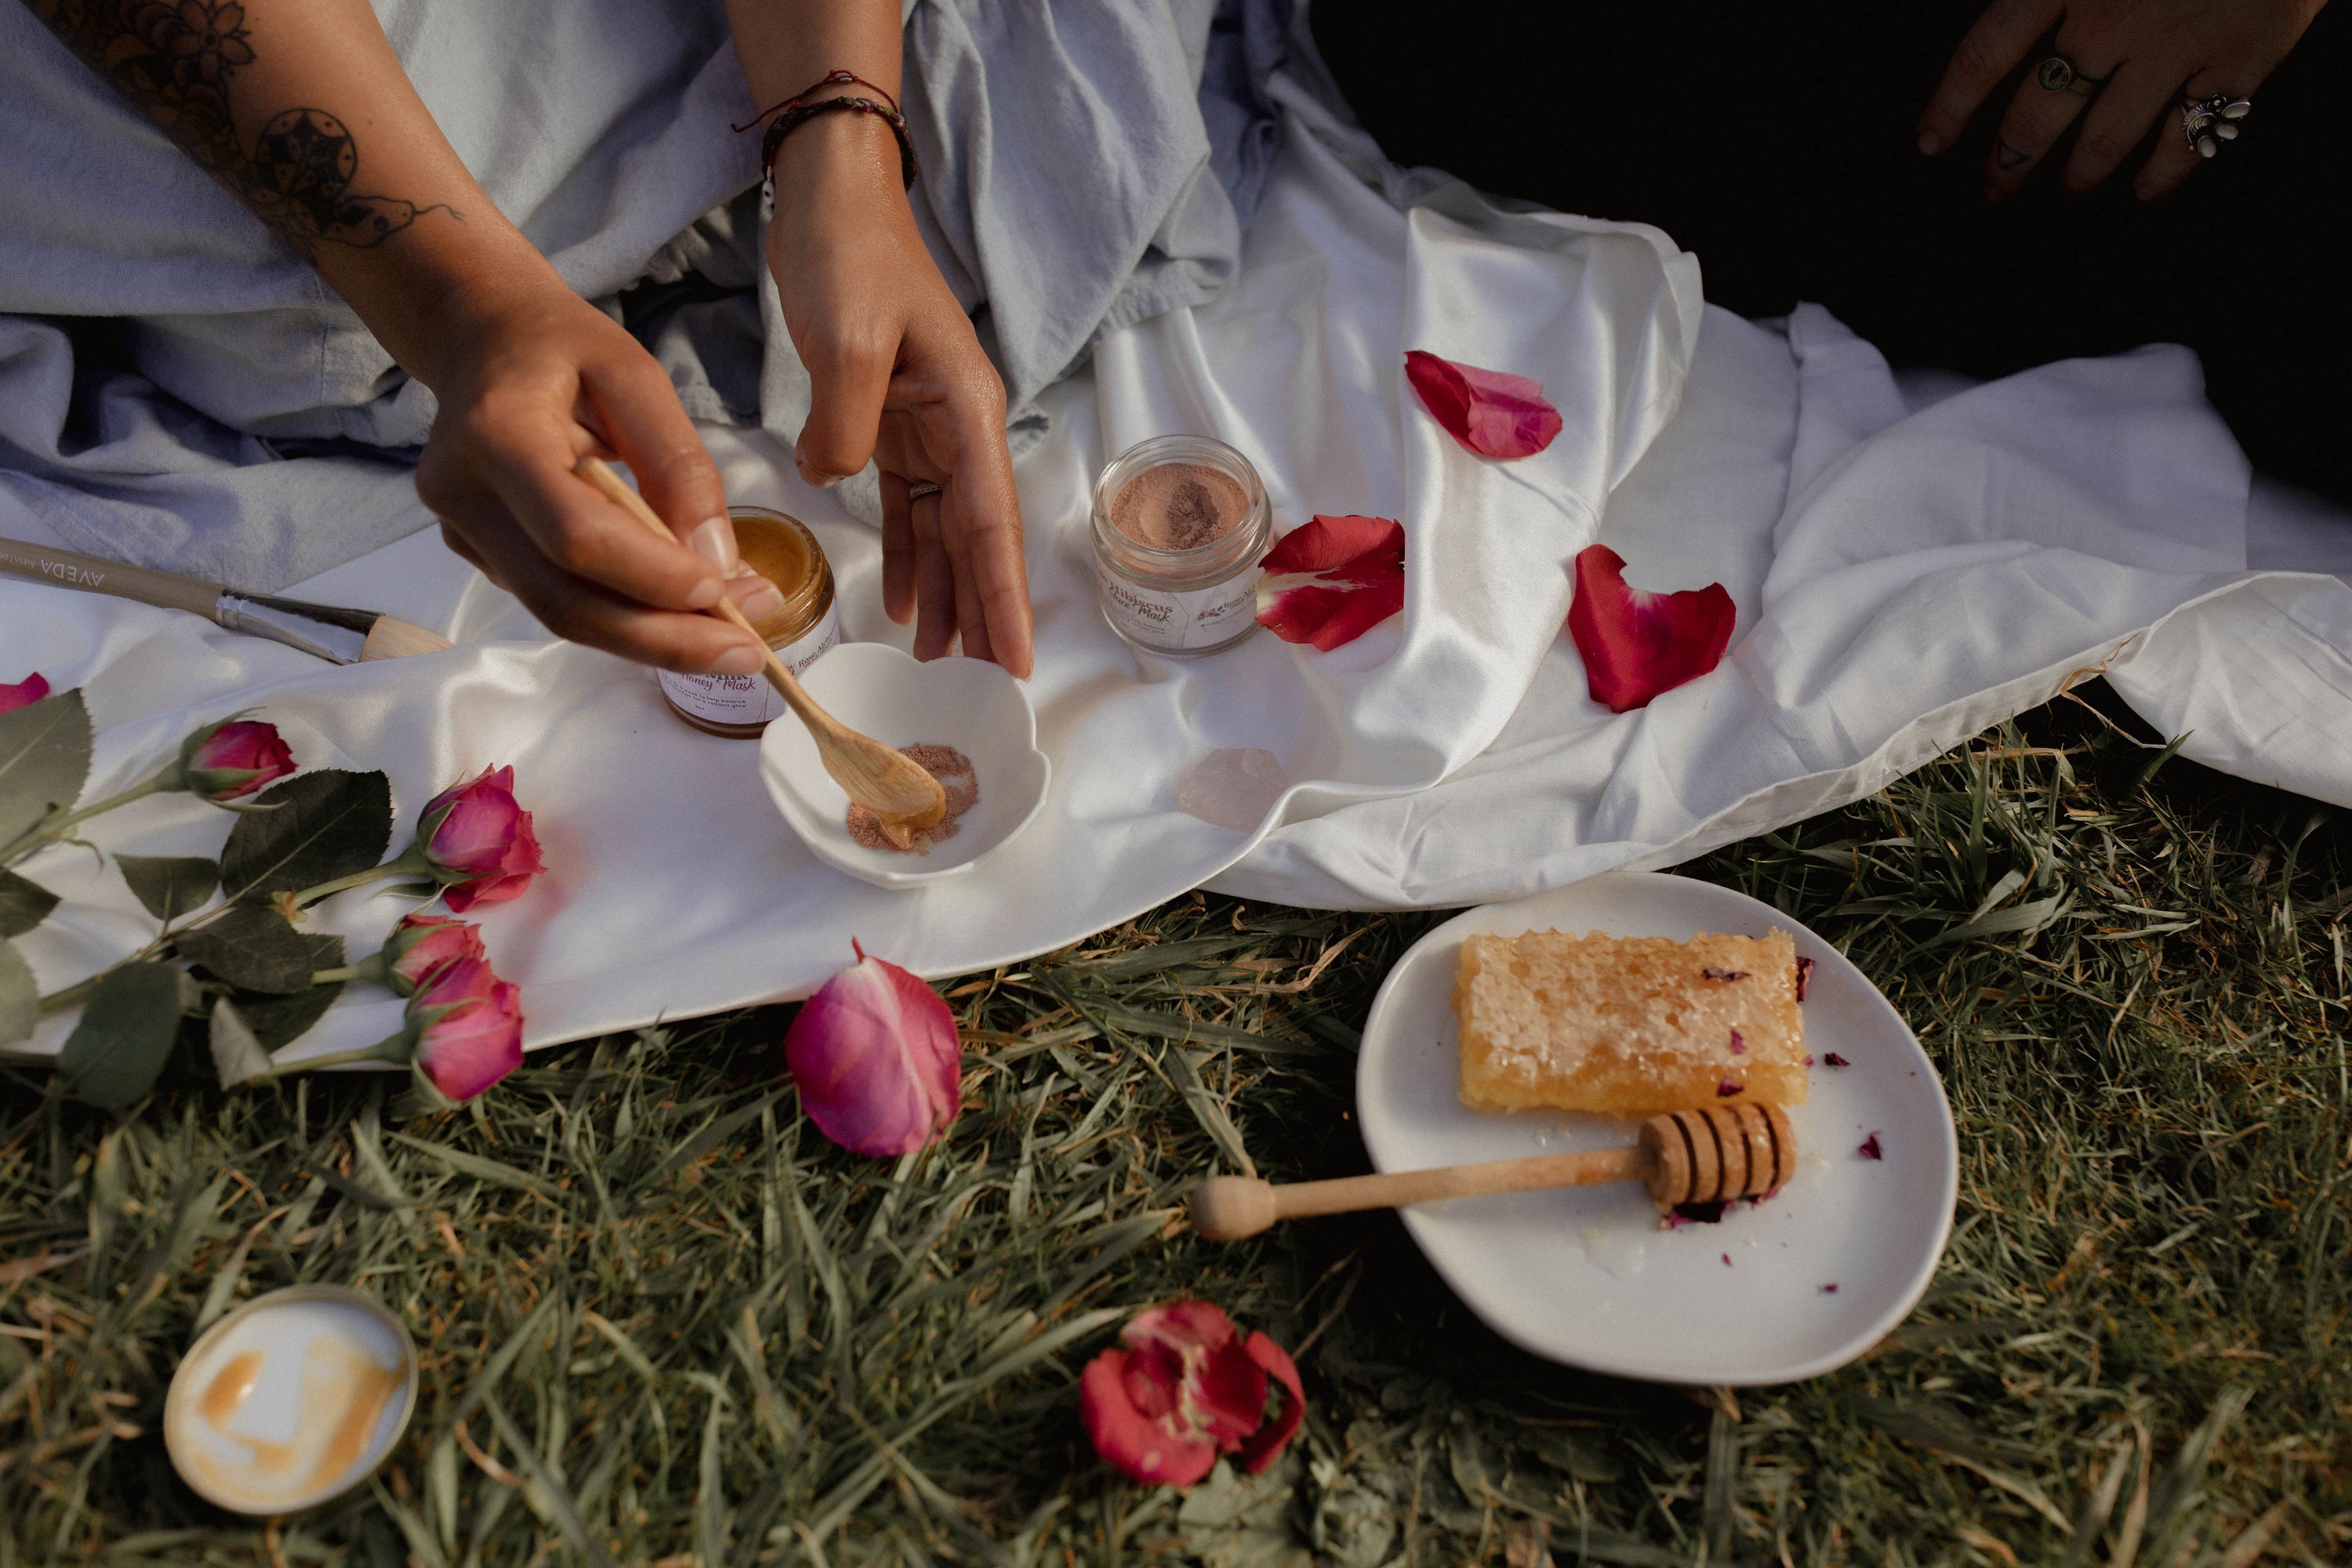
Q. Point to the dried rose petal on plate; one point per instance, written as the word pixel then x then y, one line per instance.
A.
pixel 1332 579
pixel 1491 411
pixel 1636 645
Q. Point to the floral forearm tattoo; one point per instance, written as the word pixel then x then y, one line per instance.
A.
pixel 178 60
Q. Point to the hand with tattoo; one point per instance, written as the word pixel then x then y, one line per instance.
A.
pixel 2140 57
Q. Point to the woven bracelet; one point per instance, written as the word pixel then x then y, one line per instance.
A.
pixel 792 120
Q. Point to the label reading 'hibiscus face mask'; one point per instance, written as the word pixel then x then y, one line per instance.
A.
pixel 1175 620
pixel 749 699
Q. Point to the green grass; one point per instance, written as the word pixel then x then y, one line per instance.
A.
pixel 662 1318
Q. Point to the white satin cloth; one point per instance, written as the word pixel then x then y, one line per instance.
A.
pixel 1907 567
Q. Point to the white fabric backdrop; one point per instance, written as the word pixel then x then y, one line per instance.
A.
pixel 1902 578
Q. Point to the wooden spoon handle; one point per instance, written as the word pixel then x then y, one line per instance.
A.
pixel 1397 1189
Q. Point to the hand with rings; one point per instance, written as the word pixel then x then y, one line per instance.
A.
pixel 2120 66
pixel 898 376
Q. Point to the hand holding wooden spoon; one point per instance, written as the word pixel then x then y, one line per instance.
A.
pixel 880 778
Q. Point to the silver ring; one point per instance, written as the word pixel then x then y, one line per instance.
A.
pixel 919 488
pixel 2207 122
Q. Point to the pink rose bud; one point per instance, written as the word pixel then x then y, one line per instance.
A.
pixel 465 1028
pixel 421 945
pixel 25 693
pixel 235 759
pixel 479 842
pixel 877 1058
pixel 1185 1388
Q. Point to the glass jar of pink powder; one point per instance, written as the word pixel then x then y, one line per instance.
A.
pixel 1180 524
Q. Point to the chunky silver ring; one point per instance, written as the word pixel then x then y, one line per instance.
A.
pixel 922 488
pixel 2059 74
pixel 2207 122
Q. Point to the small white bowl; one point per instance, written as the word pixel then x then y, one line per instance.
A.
pixel 292 1399
pixel 966 703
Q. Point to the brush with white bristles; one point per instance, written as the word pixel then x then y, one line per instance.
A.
pixel 324 631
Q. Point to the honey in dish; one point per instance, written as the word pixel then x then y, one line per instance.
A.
pixel 343 1393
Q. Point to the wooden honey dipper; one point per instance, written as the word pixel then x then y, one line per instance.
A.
pixel 1703 1156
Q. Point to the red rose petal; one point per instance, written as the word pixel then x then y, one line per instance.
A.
pixel 1836 1060
pixel 1491 411
pixel 1869 1149
pixel 25 693
pixel 1265 1445
pixel 1726 1089
pixel 1332 579
pixel 1636 645
pixel 1804 977
pixel 1144 1447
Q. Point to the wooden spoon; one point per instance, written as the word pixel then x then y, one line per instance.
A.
pixel 882 779
pixel 1742 1151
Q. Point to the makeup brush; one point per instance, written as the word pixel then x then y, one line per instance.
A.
pixel 879 777
pixel 1705 1156
pixel 324 631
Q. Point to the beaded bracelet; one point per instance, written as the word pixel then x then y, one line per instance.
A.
pixel 797 111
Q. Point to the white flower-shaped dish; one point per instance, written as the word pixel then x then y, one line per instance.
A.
pixel 1780 1291
pixel 966 703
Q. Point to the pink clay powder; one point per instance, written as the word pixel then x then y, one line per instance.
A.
pixel 1180 506
pixel 957 778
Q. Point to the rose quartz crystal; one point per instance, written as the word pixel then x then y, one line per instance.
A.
pixel 1232 788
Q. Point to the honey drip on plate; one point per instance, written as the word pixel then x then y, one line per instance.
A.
pixel 343 1393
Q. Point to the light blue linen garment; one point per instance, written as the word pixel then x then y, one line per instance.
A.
pixel 179 390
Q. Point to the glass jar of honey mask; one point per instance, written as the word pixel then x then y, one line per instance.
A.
pixel 1180 523
pixel 783 551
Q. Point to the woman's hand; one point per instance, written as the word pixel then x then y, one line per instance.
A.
pixel 2146 55
pixel 531 380
pixel 899 376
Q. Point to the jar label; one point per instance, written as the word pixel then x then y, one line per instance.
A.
pixel 1167 618
pixel 749 699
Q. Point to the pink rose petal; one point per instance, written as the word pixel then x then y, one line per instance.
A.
pixel 877 1058
pixel 1636 645
pixel 1332 579
pixel 25 693
pixel 1491 411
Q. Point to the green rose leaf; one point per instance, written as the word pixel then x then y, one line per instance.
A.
pixel 44 759
pixel 327 824
pixel 253 949
pixel 280 1020
pixel 23 904
pixel 20 999
pixel 237 1055
pixel 116 1051
pixel 169 885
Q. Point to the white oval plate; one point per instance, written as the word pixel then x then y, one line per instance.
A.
pixel 1584 1276
pixel 966 703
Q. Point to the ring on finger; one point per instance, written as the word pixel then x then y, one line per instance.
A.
pixel 921 488
pixel 2207 122
pixel 2059 74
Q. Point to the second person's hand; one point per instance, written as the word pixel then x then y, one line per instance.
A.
pixel 899 375
pixel 2130 64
